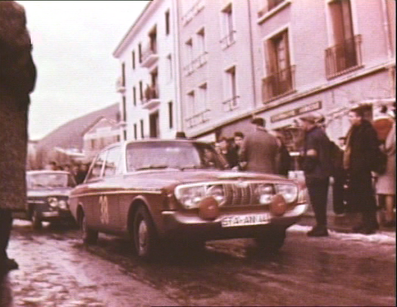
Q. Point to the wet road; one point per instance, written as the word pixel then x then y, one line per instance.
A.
pixel 57 270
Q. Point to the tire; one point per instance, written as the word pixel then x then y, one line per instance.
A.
pixel 88 235
pixel 272 240
pixel 36 220
pixel 145 239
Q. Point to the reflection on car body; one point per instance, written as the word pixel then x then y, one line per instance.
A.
pixel 47 196
pixel 158 190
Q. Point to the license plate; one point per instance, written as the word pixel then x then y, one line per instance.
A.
pixel 246 220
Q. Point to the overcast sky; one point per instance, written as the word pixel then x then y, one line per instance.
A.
pixel 73 43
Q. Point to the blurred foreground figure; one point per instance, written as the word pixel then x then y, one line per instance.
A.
pixel 17 81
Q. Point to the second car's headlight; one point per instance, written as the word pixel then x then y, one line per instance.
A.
pixel 63 204
pixel 191 196
pixel 288 191
pixel 53 202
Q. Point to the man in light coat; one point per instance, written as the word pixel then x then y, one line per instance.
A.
pixel 17 80
pixel 259 149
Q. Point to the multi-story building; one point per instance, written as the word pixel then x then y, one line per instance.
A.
pixel 277 59
pixel 148 84
pixel 217 69
pixel 323 56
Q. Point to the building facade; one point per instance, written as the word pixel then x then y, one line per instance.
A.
pixel 277 59
pixel 148 84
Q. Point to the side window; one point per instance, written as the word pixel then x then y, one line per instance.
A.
pixel 96 169
pixel 113 162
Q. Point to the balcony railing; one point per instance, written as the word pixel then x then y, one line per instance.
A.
pixel 343 57
pixel 198 118
pixel 149 55
pixel 200 60
pixel 230 104
pixel 120 86
pixel 151 97
pixel 278 84
pixel 228 40
pixel 193 11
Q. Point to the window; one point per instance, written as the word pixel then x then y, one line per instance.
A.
pixel 135 131
pixel 202 97
pixel 201 50
pixel 142 129
pixel 133 59
pixel 279 78
pixel 231 89
pixel 191 103
pixel 113 161
pixel 345 53
pixel 140 53
pixel 153 40
pixel 123 74
pixel 124 109
pixel 169 68
pixel 96 169
pixel 189 56
pixel 134 95
pixel 227 27
pixel 141 91
pixel 170 115
pixel 167 22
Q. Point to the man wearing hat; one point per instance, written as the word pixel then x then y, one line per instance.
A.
pixel 259 149
pixel 317 166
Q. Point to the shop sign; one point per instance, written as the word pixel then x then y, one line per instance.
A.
pixel 296 112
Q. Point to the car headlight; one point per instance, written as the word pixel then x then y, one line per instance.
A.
pixel 191 196
pixel 265 193
pixel 288 191
pixel 217 192
pixel 53 202
pixel 62 204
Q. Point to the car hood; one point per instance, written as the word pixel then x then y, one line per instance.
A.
pixel 171 178
pixel 49 192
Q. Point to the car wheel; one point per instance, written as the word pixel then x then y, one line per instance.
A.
pixel 271 240
pixel 144 234
pixel 36 220
pixel 88 235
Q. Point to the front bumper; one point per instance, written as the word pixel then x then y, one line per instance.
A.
pixel 181 225
pixel 55 215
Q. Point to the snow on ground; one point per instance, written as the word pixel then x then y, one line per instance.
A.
pixel 381 237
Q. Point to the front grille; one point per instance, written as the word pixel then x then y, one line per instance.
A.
pixel 237 194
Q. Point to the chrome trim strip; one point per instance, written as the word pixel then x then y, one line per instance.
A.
pixel 115 193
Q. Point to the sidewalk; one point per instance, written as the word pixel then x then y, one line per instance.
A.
pixel 339 223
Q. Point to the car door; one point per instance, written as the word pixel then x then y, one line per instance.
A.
pixel 109 199
pixel 92 193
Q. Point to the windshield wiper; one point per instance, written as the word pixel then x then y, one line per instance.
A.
pixel 182 168
pixel 152 166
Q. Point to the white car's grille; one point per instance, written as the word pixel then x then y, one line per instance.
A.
pixel 242 194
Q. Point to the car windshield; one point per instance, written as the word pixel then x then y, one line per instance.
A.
pixel 178 155
pixel 48 180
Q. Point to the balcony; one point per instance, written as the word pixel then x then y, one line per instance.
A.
pixel 149 56
pixel 193 11
pixel 198 118
pixel 120 86
pixel 228 40
pixel 201 60
pixel 230 104
pixel 343 58
pixel 278 84
pixel 151 98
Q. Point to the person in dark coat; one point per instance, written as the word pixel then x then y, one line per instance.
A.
pixel 284 160
pixel 259 149
pixel 228 152
pixel 317 167
pixel 362 146
pixel 17 80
